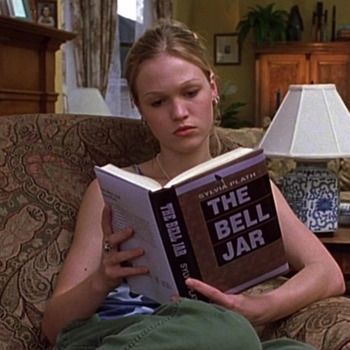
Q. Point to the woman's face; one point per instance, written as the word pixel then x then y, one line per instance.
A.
pixel 176 99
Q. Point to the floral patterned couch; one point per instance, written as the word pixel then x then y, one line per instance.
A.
pixel 46 162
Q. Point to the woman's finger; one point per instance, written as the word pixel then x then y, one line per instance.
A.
pixel 106 223
pixel 121 236
pixel 111 240
pixel 119 257
pixel 212 293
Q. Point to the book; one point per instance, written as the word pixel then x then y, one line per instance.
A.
pixel 216 222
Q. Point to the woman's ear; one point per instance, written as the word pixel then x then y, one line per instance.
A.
pixel 214 87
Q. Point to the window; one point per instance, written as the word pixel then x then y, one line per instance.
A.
pixel 126 31
pixel 131 23
pixel 134 16
pixel 127 9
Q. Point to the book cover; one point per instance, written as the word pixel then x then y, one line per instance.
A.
pixel 217 222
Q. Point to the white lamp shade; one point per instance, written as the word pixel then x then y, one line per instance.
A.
pixel 312 123
pixel 86 101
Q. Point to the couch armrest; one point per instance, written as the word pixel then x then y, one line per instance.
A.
pixel 324 324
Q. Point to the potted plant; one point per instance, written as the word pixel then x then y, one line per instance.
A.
pixel 229 109
pixel 229 118
pixel 269 25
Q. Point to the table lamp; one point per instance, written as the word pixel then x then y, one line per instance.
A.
pixel 86 101
pixel 311 126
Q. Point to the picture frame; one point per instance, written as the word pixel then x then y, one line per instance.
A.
pixel 19 9
pixel 46 13
pixel 226 49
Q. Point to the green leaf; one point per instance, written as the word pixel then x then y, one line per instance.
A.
pixel 268 25
pixel 229 116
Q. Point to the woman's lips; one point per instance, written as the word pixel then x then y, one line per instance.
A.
pixel 184 130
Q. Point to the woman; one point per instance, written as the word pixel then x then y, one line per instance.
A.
pixel 174 88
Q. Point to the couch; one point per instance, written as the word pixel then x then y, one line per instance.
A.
pixel 46 163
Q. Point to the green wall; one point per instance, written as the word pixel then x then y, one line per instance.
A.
pixel 208 17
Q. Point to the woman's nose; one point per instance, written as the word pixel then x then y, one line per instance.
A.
pixel 179 109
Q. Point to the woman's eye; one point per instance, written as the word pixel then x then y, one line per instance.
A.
pixel 192 93
pixel 156 103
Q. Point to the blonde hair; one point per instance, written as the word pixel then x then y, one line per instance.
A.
pixel 167 36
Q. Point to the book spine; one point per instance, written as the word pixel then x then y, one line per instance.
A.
pixel 176 241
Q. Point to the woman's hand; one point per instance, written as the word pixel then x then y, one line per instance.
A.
pixel 115 264
pixel 256 308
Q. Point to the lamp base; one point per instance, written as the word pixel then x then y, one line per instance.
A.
pixel 312 192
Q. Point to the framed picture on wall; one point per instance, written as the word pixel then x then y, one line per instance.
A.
pixel 19 9
pixel 47 13
pixel 226 49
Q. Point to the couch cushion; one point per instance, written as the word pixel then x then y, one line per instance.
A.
pixel 46 163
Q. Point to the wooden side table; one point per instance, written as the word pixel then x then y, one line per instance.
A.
pixel 339 246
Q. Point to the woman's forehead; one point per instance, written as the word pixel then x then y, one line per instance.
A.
pixel 167 70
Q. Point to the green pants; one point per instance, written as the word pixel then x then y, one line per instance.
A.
pixel 184 325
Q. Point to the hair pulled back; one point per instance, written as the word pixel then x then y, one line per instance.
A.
pixel 167 36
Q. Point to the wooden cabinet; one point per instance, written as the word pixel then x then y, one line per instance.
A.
pixel 27 66
pixel 299 63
